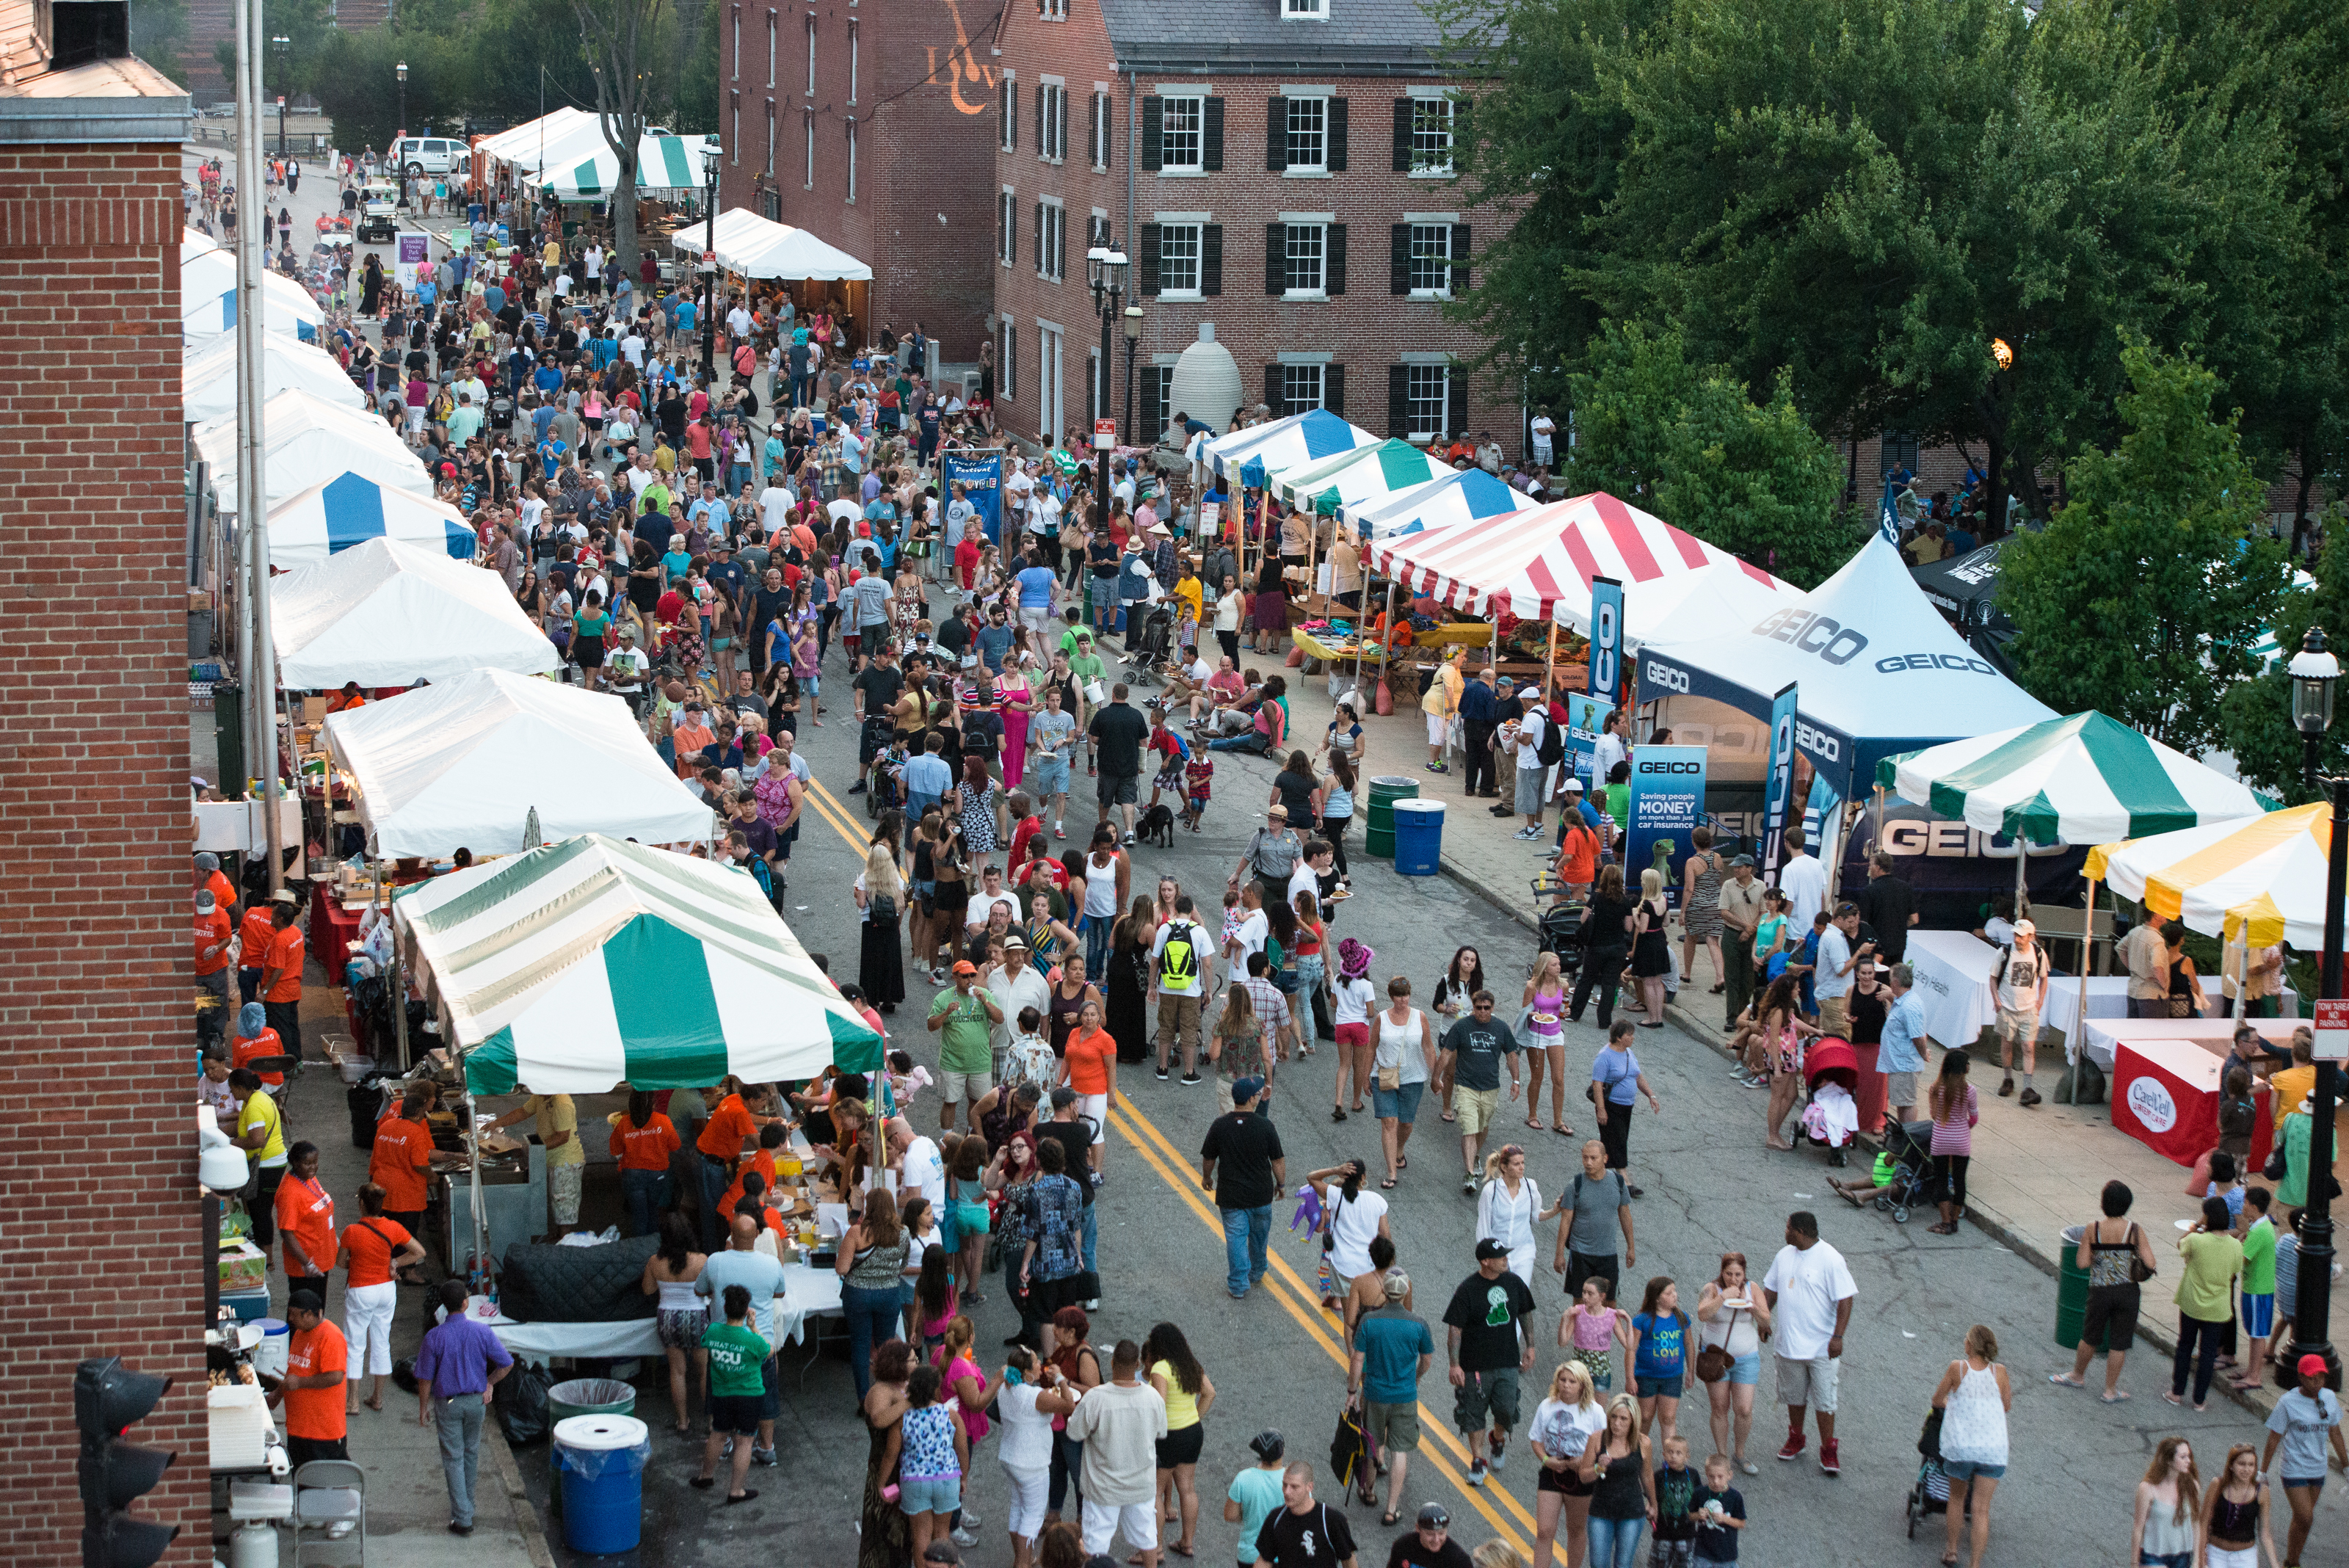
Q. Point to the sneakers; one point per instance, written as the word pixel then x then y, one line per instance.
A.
pixel 1468 1186
pixel 1476 1470
pixel 1830 1460
pixel 1527 834
pixel 2007 1087
pixel 1162 1074
pixel 963 1537
pixel 1190 1079
pixel 1058 832
pixel 856 788
pixel 1793 1447
pixel 2029 1097
pixel 1502 810
pixel 1129 838
pixel 759 1456
pixel 1500 1460
pixel 1443 768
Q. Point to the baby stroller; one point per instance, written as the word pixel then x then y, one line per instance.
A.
pixel 1832 1119
pixel 1931 1495
pixel 1150 646
pixel 1559 925
pixel 884 780
pixel 1911 1145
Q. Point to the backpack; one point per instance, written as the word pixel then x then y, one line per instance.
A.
pixel 1551 750
pixel 1178 962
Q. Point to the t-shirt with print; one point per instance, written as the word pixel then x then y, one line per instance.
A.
pixel 735 1354
pixel 1052 730
pixel 2303 1423
pixel 1717 1542
pixel 2018 988
pixel 1676 1492
pixel 1478 1049
pixel 1488 1313
pixel 962 1045
pixel 1318 1537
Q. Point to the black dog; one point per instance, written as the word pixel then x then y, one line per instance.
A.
pixel 1158 826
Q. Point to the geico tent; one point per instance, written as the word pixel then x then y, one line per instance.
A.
pixel 757 247
pixel 1880 672
pixel 1253 454
pixel 390 614
pixel 669 167
pixel 208 377
pixel 208 300
pixel 1363 475
pixel 1454 495
pixel 309 442
pixel 309 526
pixel 574 967
pixel 462 763
pixel 1540 565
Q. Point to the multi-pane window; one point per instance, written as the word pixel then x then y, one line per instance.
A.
pixel 1051 121
pixel 1154 385
pixel 1007 113
pixel 1431 259
pixel 1308 133
pixel 1178 258
pixel 1427 392
pixel 1052 240
pixel 1431 135
pixel 1301 388
pixel 737 73
pixel 1304 10
pixel 1007 352
pixel 1183 134
pixel 1102 125
pixel 1307 246
pixel 1052 10
pixel 1006 227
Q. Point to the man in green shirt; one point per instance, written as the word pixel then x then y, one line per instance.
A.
pixel 1089 671
pixel 964 1018
pixel 2258 1282
pixel 736 1392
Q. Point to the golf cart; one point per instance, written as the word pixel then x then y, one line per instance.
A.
pixel 379 212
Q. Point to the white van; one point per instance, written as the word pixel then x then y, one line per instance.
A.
pixel 415 155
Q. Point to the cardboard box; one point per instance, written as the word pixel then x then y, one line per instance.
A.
pixel 244 1267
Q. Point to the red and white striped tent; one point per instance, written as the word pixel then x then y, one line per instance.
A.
pixel 1540 564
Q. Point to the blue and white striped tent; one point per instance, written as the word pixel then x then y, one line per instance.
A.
pixel 1461 497
pixel 208 301
pixel 1284 443
pixel 307 527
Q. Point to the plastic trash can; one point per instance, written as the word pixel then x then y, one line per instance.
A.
pixel 599 1461
pixel 1378 836
pixel 1418 837
pixel 2070 1289
pixel 581 1396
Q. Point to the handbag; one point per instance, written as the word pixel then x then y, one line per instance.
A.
pixel 2139 1270
pixel 1714 1361
pixel 1390 1078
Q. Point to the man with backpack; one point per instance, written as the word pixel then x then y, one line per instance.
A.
pixel 1541 745
pixel 2020 978
pixel 1181 957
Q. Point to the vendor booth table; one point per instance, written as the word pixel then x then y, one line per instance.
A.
pixel 2108 998
pixel 2215 1033
pixel 809 1294
pixel 1953 971
pixel 2165 1096
pixel 334 926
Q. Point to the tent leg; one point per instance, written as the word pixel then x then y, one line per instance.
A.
pixel 2021 868
pixel 2078 1042
pixel 1387 641
pixel 2242 969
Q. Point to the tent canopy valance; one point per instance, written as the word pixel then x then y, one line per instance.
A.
pixel 311 442
pixel 1454 495
pixel 1262 450
pixel 2263 877
pixel 208 376
pixel 350 509
pixel 757 247
pixel 390 614
pixel 668 169
pixel 577 966
pixel 208 300
pixel 2082 779
pixel 552 135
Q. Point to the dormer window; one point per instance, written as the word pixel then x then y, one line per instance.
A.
pixel 1304 10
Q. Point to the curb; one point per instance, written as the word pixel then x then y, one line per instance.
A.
pixel 525 1517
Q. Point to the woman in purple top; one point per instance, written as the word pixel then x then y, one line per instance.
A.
pixel 1952 1104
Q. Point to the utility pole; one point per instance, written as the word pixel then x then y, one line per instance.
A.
pixel 258 663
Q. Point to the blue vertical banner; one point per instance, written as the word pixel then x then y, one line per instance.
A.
pixel 1667 805
pixel 1607 641
pixel 1888 516
pixel 1778 795
pixel 1585 717
pixel 982 482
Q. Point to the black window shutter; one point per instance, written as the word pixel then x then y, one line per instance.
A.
pixel 1154 131
pixel 1151 418
pixel 1336 128
pixel 1094 126
pixel 1276 259
pixel 1011 229
pixel 1399 259
pixel 1211 259
pixel 1399 400
pixel 1041 94
pixel 1459 258
pixel 1333 259
pixel 1148 260
pixel 1274 394
pixel 1039 236
pixel 1061 142
pixel 1211 155
pixel 1403 136
pixel 1276 134
pixel 1003 115
pixel 1457 419
pixel 1333 388
pixel 1060 245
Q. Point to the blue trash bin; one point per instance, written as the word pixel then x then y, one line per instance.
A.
pixel 599 1461
pixel 1418 837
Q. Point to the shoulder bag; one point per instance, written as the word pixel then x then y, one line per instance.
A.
pixel 1714 1361
pixel 2139 1270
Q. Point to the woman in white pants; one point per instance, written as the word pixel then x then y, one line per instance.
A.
pixel 373 1249
pixel 1028 1405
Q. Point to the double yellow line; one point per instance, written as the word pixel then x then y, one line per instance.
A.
pixel 1446 1454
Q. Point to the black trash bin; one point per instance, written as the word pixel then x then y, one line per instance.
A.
pixel 366 1100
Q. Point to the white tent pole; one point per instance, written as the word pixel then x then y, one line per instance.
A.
pixel 2242 969
pixel 2022 865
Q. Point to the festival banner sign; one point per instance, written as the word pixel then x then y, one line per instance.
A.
pixel 1607 641
pixel 1778 797
pixel 982 482
pixel 1667 805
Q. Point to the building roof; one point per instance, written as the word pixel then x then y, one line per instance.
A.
pixel 1251 37
pixel 118 98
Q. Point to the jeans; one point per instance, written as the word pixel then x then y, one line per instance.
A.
pixel 647 1195
pixel 1092 1235
pixel 872 1320
pixel 1601 968
pixel 457 1419
pixel 714 1183
pixel 2191 1329
pixel 1246 1232
pixel 1256 742
pixel 1615 1543
pixel 1095 930
pixel 263 1205
pixel 1068 1464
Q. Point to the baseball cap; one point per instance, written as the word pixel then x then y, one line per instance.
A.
pixel 2025 929
pixel 964 966
pixel 1433 1517
pixel 1246 1089
pixel 2311 1365
pixel 1267 1445
pixel 1397 1284
pixel 1490 1248
pixel 204 900
pixel 1529 691
pixel 1571 785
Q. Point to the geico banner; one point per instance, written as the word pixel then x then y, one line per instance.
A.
pixel 1956 869
pixel 1667 805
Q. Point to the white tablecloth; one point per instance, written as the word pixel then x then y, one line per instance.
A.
pixel 2108 998
pixel 2218 1033
pixel 1953 978
pixel 807 1293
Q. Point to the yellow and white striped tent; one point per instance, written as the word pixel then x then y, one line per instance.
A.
pixel 2263 873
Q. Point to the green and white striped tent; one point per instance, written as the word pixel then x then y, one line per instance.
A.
pixel 668 169
pixel 2084 779
pixel 1366 474
pixel 571 967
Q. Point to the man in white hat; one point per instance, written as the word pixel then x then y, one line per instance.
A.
pixel 1531 769
pixel 2020 977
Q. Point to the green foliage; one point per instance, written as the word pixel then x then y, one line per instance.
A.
pixel 2143 596
pixel 696 111
pixel 158 30
pixel 2268 750
pixel 308 28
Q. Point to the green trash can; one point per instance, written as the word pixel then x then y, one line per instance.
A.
pixel 581 1396
pixel 1378 839
pixel 2070 1289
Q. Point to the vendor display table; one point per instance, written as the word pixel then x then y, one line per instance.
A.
pixel 1953 970
pixel 2108 998
pixel 808 1293
pixel 333 928
pixel 1329 649
pixel 2165 1096
pixel 2215 1035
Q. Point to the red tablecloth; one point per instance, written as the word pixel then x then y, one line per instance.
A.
pixel 332 928
pixel 2165 1096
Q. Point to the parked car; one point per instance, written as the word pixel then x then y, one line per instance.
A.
pixel 418 155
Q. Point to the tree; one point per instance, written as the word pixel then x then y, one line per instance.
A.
pixel 622 35
pixel 2143 596
pixel 308 28
pixel 2268 750
pixel 158 30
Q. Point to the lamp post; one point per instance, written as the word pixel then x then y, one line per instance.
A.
pixel 1105 269
pixel 711 155
pixel 1132 339
pixel 2315 673
pixel 401 70
pixel 283 48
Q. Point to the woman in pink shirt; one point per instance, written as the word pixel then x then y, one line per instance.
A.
pixel 1952 1105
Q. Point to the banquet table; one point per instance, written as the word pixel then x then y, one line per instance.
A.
pixel 333 928
pixel 1953 970
pixel 808 1293
pixel 2217 1033
pixel 2108 998
pixel 2165 1096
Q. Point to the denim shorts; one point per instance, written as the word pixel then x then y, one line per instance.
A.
pixel 1967 1469
pixel 930 1494
pixel 1745 1370
pixel 1050 776
pixel 1660 1388
pixel 1401 1102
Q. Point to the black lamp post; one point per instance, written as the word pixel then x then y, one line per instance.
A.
pixel 2315 673
pixel 711 155
pixel 401 70
pixel 283 48
pixel 1133 339
pixel 1105 269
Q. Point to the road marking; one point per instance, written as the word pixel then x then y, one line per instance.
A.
pixel 843 821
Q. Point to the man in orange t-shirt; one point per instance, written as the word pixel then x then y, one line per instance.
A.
pixel 400 1161
pixel 730 1122
pixel 644 1149
pixel 213 935
pixel 317 1359
pixel 252 940
pixel 281 971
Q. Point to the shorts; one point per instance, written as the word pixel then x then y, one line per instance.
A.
pixel 563 1190
pixel 1050 776
pixel 1401 1102
pixel 1663 1554
pixel 1169 777
pixel 955 1087
pixel 1095 1107
pixel 1745 1370
pixel 1487 1397
pixel 1118 789
pixel 1901 1088
pixel 2314 1484
pixel 1474 1108
pixel 1566 1483
pixel 735 1413
pixel 2219 1557
pixel 929 1494
pixel 1181 1446
pixel 1659 1387
pixel 1103 1520
pixel 1529 791
pixel 1353 1034
pixel 1196 804
pixel 2019 1025
pixel 681 1328
pixel 1811 1382
pixel 2111 1317
pixel 1394 1427
pixel 2258 1314
pixel 1971 1470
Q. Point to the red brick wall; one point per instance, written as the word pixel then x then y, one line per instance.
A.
pixel 97 1156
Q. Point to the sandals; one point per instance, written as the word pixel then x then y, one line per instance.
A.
pixel 1388 1183
pixel 1449 1117
pixel 1534 1122
pixel 1402 1162
pixel 1562 1129
pixel 1390 1520
pixel 1337 1113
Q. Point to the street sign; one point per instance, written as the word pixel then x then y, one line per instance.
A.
pixel 2332 1030
pixel 1104 434
pixel 710 261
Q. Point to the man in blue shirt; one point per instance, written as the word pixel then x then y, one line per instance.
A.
pixel 994 640
pixel 456 1366
pixel 1392 1351
pixel 1902 1055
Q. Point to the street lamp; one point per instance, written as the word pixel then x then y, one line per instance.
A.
pixel 283 48
pixel 1132 337
pixel 1105 267
pixel 711 155
pixel 401 70
pixel 2315 673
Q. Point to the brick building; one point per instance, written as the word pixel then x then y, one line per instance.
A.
pixel 106 1256
pixel 1281 169
pixel 868 125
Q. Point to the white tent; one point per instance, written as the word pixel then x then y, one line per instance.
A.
pixel 194 242
pixel 389 614
pixel 462 763
pixel 668 169
pixel 550 137
pixel 347 510
pixel 208 300
pixel 208 379
pixel 756 247
pixel 311 442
